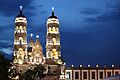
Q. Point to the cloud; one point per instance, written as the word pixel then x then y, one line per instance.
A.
pixel 90 11
pixel 113 14
pixel 7 50
pixel 9 8
pixel 5 43
pixel 43 12
pixel 7 32
pixel 6 46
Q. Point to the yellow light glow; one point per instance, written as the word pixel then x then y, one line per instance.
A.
pixel 20 62
pixel 37 46
pixel 54 41
pixel 17 77
pixel 20 27
pixel 16 27
pixel 54 50
pixel 80 65
pixel 54 29
pixel 49 29
pixel 21 39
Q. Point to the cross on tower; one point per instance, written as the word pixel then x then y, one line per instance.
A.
pixel 53 8
pixel 21 7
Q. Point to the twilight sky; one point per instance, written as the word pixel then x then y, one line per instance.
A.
pixel 89 28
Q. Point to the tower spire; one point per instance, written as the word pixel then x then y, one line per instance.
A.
pixel 53 11
pixel 21 8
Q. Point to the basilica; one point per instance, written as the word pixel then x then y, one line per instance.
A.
pixel 29 53
pixel 26 55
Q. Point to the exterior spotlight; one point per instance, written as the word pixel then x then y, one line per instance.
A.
pixel 113 66
pixel 64 63
pixel 88 65
pixel 97 65
pixel 80 65
pixel 72 65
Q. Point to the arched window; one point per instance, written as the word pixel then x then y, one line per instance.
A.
pixel 21 39
pixel 24 28
pixel 54 41
pixel 49 29
pixel 20 51
pixel 57 29
pixel 20 27
pixel 16 28
pixel 54 29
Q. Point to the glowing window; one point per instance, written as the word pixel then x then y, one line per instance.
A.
pixel 24 27
pixel 49 29
pixel 68 75
pixel 54 29
pixel 16 27
pixel 20 27
pixel 54 41
pixel 21 39
pixel 57 29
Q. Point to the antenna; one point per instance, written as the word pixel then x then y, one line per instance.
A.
pixel 53 11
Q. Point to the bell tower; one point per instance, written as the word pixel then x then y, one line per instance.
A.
pixel 53 37
pixel 20 38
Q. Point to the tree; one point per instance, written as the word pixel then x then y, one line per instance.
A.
pixel 4 66
pixel 28 75
pixel 34 74
pixel 39 71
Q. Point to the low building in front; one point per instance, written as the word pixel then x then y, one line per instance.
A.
pixel 91 73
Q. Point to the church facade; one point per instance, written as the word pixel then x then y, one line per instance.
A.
pixel 29 53
pixel 26 55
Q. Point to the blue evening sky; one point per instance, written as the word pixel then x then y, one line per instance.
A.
pixel 89 28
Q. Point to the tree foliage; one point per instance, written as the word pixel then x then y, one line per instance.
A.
pixel 4 66
pixel 34 74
